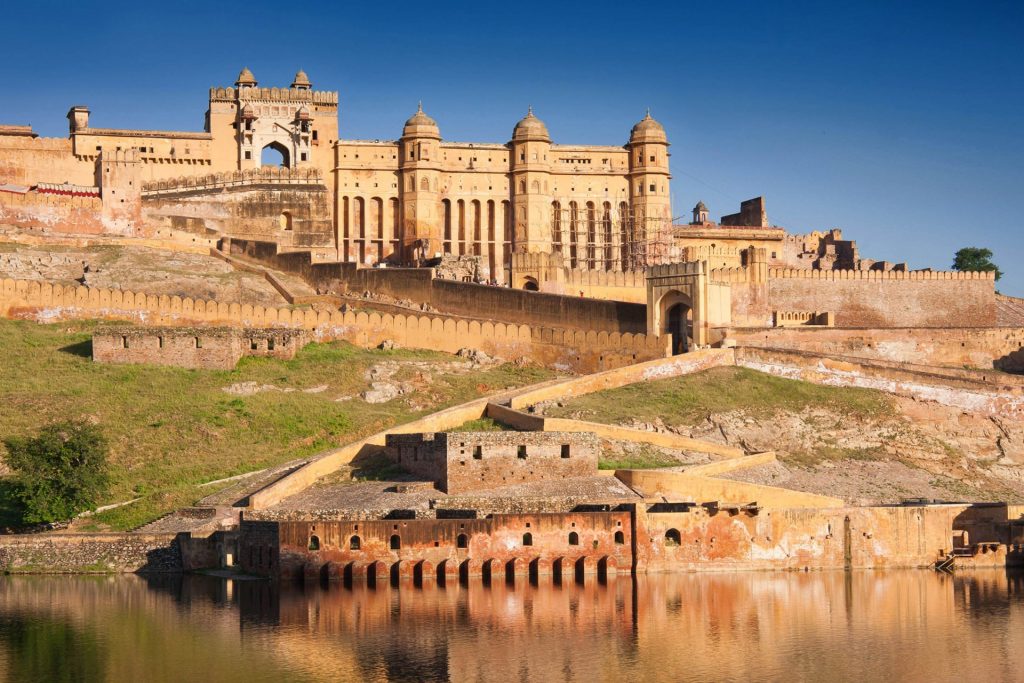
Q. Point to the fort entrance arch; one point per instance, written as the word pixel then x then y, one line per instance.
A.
pixel 275 154
pixel 677 304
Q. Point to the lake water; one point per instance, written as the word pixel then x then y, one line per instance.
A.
pixel 827 626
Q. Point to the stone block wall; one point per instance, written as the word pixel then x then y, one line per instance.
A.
pixel 433 549
pixel 213 348
pixel 888 298
pixel 89 553
pixel 460 462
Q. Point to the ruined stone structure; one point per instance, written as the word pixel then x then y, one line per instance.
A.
pixel 211 348
pixel 458 462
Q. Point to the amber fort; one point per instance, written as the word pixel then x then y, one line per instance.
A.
pixel 569 257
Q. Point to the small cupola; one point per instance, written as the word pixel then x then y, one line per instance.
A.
pixel 301 81
pixel 245 78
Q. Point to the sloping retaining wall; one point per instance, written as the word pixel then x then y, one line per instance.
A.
pixel 985 397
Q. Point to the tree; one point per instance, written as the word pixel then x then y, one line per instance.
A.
pixel 60 472
pixel 976 259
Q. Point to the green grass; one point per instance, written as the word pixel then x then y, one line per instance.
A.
pixel 172 429
pixel 690 399
pixel 825 453
pixel 640 460
pixel 483 424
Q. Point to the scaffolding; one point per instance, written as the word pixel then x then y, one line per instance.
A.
pixel 602 238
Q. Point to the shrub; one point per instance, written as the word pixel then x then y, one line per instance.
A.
pixel 60 472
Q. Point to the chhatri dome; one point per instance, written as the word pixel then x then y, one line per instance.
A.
pixel 245 77
pixel 420 125
pixel 301 81
pixel 648 130
pixel 530 128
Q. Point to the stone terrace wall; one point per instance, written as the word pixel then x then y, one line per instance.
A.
pixel 887 298
pixel 564 349
pixel 52 212
pixel 1001 399
pixel 78 553
pixel 952 347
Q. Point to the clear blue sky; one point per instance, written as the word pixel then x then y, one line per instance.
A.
pixel 900 122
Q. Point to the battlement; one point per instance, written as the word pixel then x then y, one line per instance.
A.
pixel 132 133
pixel 676 269
pixel 229 94
pixel 920 275
pixel 256 176
pixel 68 190
pixel 17 131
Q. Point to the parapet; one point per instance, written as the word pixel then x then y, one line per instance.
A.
pixel 229 94
pixel 256 176
pixel 917 275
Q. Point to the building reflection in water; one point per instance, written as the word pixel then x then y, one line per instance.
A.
pixel 906 625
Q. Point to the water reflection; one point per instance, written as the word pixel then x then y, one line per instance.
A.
pixel 901 625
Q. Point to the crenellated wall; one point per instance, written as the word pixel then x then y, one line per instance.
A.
pixel 561 348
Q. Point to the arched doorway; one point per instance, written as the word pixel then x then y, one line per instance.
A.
pixel 679 327
pixel 275 154
pixel 530 285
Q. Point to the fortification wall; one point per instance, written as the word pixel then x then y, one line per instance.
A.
pixel 52 212
pixel 886 298
pixel 565 349
pixel 461 298
pixel 25 160
pixel 971 347
pixel 290 217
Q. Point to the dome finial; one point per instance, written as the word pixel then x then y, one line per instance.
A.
pixel 648 112
pixel 529 110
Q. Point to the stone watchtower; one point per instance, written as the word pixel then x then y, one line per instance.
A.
pixel 529 150
pixel 297 122
pixel 419 169
pixel 649 180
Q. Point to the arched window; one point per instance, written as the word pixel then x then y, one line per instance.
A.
pixel 574 538
pixel 527 538
pixel 355 543
pixel 314 543
pixel 425 184
pixel 672 538
pixel 275 154
pixel 396 542
pixel 286 220
pixel 620 538
pixel 462 541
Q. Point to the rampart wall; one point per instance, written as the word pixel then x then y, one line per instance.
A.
pixel 869 298
pixel 459 298
pixel 566 349
pixel 50 212
pixel 25 160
